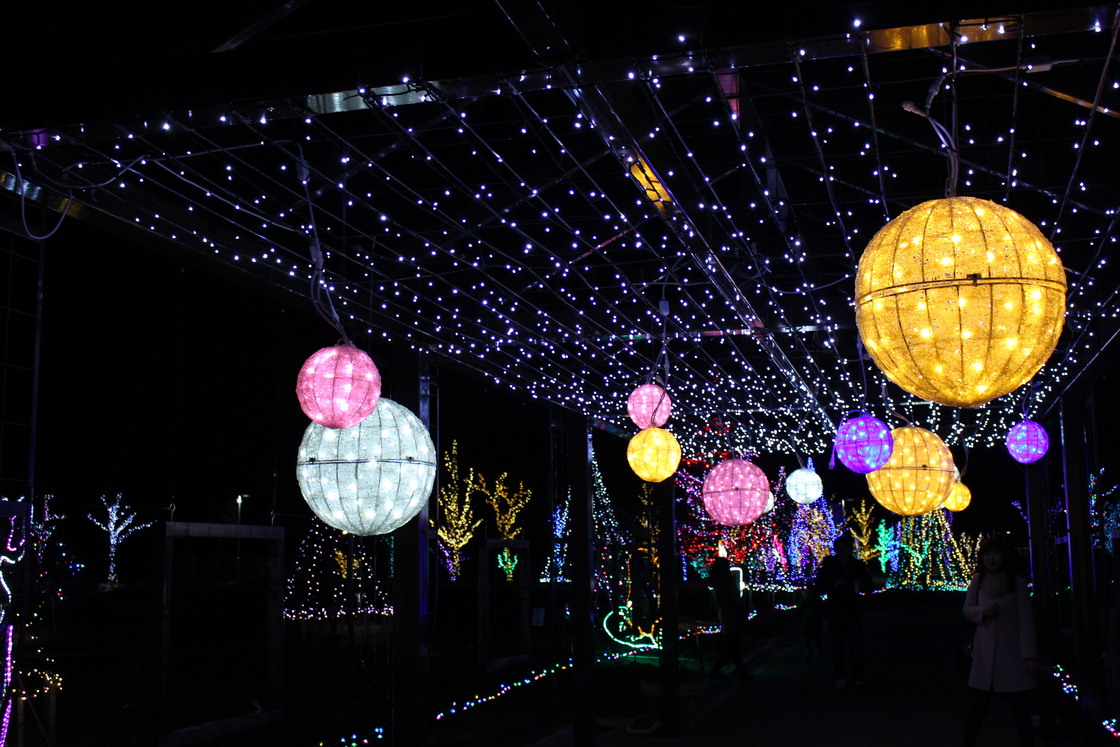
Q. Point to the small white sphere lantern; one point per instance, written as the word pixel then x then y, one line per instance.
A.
pixel 371 478
pixel 804 485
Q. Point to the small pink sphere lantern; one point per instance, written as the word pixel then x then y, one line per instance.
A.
pixel 864 443
pixel 735 492
pixel 649 406
pixel 1027 442
pixel 338 387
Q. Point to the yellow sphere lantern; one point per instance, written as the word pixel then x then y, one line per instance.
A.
pixel 959 497
pixel 654 454
pixel 918 476
pixel 960 300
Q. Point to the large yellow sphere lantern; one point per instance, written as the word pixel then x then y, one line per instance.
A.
pixel 960 300
pixel 654 454
pixel 959 497
pixel 918 476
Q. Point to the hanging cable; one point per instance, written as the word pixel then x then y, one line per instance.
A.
pixel 23 206
pixel 320 293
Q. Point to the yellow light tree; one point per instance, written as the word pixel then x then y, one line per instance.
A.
pixel 864 532
pixel 456 514
pixel 507 506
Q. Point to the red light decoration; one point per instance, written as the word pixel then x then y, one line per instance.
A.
pixel 735 492
pixel 649 406
pixel 339 386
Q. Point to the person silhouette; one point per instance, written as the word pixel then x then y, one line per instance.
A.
pixel 841 580
pixel 732 618
pixel 1004 648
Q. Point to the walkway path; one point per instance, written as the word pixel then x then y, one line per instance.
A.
pixel 915 693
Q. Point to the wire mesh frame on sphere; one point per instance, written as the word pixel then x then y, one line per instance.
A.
pixel 960 300
pixel 804 485
pixel 371 478
pixel 959 497
pixel 338 386
pixel 653 454
pixel 918 476
pixel 863 443
pixel 1027 442
pixel 736 492
pixel 649 406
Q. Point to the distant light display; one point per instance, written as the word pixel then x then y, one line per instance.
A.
pixel 649 405
pixel 864 443
pixel 370 478
pixel 960 300
pixel 735 492
pixel 1027 441
pixel 338 387
pixel 918 476
pixel 654 454
pixel 804 485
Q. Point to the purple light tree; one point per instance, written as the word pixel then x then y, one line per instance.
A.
pixel 118 525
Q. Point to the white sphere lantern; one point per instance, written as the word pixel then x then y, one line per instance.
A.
pixel 804 485
pixel 371 478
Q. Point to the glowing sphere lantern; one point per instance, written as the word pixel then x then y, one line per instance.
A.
pixel 863 443
pixel 959 497
pixel 804 485
pixel 770 502
pixel 370 478
pixel 735 492
pixel 1027 441
pixel 654 454
pixel 918 476
pixel 960 300
pixel 649 406
pixel 339 386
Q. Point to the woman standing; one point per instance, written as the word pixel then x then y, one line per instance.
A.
pixel 1004 653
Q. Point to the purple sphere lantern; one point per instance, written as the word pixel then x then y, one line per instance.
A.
pixel 1027 442
pixel 735 492
pixel 864 443
pixel 649 406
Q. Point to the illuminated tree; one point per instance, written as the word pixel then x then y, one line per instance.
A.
pixel 334 576
pixel 1104 516
pixel 931 556
pixel 456 512
pixel 610 546
pixel 810 538
pixel 507 507
pixel 887 547
pixel 557 560
pixel 118 524
pixel 860 525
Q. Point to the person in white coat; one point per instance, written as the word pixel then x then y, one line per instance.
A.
pixel 1004 649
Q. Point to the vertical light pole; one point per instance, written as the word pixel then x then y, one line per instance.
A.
pixel 238 544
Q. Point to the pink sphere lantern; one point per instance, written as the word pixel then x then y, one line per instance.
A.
pixel 649 406
pixel 864 443
pixel 1027 442
pixel 735 492
pixel 338 387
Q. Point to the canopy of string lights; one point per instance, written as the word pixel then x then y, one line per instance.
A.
pixel 588 221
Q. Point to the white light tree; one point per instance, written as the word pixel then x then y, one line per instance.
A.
pixel 118 525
